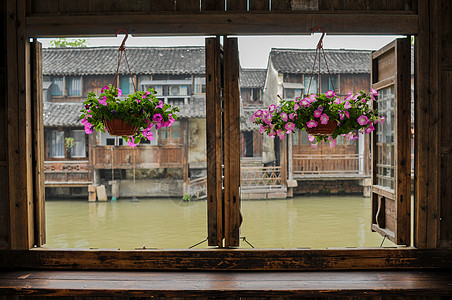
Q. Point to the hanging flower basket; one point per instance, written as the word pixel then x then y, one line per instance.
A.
pixel 119 127
pixel 323 129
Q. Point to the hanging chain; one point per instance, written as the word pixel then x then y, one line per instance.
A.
pixel 121 51
pixel 317 54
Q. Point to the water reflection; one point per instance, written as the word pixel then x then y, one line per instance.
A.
pixel 315 222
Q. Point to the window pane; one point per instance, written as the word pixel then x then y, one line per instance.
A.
pixel 385 138
pixel 74 86
pixel 57 143
pixel 78 150
pixel 56 88
pixel 125 83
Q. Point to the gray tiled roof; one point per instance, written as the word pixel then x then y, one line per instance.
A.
pixel 252 78
pixel 245 118
pixel 300 61
pixel 62 114
pixel 142 60
pixel 68 114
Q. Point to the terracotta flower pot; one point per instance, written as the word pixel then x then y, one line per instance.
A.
pixel 323 129
pixel 120 127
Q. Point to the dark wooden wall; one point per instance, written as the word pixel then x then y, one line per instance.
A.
pixel 4 208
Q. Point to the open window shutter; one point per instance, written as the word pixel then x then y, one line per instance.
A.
pixel 38 143
pixel 214 99
pixel 223 124
pixel 391 159
pixel 232 217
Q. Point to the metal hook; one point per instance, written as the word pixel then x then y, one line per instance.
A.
pixel 122 47
pixel 320 44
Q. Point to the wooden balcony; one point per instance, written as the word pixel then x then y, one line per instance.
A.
pixel 324 166
pixel 140 157
pixel 67 173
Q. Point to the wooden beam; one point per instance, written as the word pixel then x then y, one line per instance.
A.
pixel 222 24
pixel 427 127
pixel 217 260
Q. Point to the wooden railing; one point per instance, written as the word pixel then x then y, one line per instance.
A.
pixel 67 173
pixel 197 188
pixel 124 157
pixel 327 164
pixel 261 177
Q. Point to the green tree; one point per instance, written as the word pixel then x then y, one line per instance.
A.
pixel 64 43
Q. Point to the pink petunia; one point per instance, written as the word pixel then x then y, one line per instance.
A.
pixel 284 116
pixel 103 100
pixel 373 93
pixel 312 124
pixel 160 105
pixel 296 106
pixel 362 120
pixel 382 120
pixel 89 129
pixel 317 113
pixel 312 98
pixel 258 113
pixel 281 133
pixel 119 92
pixel 293 116
pixel 311 138
pixel 272 133
pixel 271 108
pixel 157 118
pixel 324 119
pixel 305 103
pixel 169 122
pixel 104 88
pixel 290 126
pixel 347 105
pixel 330 94
pixel 268 119
pixel 370 129
pixel 262 128
pixel 332 142
pixel 337 101
pixel 349 96
pixel 131 142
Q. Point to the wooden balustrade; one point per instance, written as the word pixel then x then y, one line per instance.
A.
pixel 261 177
pixel 144 157
pixel 67 173
pixel 327 164
pixel 197 188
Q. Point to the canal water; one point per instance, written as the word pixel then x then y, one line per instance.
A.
pixel 300 222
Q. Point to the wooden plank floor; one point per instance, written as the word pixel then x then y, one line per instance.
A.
pixel 226 284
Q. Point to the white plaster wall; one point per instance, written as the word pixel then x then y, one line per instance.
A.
pixel 197 144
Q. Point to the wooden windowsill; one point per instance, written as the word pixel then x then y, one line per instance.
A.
pixel 225 284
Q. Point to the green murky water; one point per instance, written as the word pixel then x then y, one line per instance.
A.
pixel 301 222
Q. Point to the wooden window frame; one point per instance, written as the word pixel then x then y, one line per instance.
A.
pixel 392 23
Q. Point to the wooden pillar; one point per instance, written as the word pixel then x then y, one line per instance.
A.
pixel 19 136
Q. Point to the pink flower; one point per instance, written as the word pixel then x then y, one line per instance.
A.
pixel 290 126
pixel 89 129
pixel 271 108
pixel 332 141
pixel 314 146
pixel 148 134
pixel 296 106
pixel 362 120
pixel 382 120
pixel 131 142
pixel 305 103
pixel 103 100
pixel 258 113
pixel 324 119
pixel 284 116
pixel 337 101
pixel 169 122
pixel 347 105
pixel 160 105
pixel 157 118
pixel 312 124
pixel 262 129
pixel 312 98
pixel 350 96
pixel 373 93
pixel 104 88
pixel 311 138
pixel 317 113
pixel 281 133
pixel 370 129
pixel 119 92
pixel 330 94
pixel 268 119
pixel 293 116
pixel 272 133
